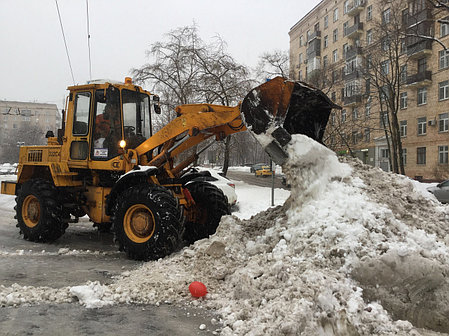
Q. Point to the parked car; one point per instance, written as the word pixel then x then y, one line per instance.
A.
pixel 441 191
pixel 264 171
pixel 220 181
pixel 256 166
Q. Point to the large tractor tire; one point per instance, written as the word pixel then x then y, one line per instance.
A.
pixel 40 216
pixel 147 222
pixel 211 205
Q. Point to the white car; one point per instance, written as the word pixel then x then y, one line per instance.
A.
pixel 221 182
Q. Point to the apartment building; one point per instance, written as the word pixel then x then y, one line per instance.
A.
pixel 332 43
pixel 19 118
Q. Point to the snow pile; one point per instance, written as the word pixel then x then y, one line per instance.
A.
pixel 92 295
pixel 353 251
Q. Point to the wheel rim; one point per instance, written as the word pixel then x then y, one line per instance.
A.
pixel 31 211
pixel 139 223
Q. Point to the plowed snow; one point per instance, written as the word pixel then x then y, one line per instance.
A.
pixel 354 251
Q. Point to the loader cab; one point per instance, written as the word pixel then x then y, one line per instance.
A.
pixel 103 115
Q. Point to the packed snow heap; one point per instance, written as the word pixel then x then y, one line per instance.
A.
pixel 353 251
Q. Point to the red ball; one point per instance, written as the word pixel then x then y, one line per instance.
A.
pixel 197 289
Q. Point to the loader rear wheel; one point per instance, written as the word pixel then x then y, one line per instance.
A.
pixel 211 205
pixel 147 222
pixel 39 214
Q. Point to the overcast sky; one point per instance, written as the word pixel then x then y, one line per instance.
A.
pixel 34 64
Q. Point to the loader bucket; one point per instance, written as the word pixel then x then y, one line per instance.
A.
pixel 282 107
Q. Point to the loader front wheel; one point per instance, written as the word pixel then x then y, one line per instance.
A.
pixel 147 222
pixel 39 214
pixel 211 204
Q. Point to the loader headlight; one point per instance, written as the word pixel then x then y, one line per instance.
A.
pixel 122 144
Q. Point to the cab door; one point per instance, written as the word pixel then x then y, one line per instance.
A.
pixel 79 139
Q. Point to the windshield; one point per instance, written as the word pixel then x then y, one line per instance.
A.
pixel 136 117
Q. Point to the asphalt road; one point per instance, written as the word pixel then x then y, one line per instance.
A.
pixel 83 254
pixel 250 178
pixel 58 265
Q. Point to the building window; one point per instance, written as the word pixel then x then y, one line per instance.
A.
pixel 404 156
pixel 421 155
pixel 355 113
pixel 325 42
pixel 335 35
pixel 335 14
pixel 334 56
pixel 367 109
pixel 333 118
pixel 386 15
pixel 443 90
pixel 403 46
pixel 334 76
pixel 300 74
pixel 385 67
pixel 300 59
pixel 325 62
pixel 403 100
pixel 403 128
pixel 422 65
pixel 301 40
pixel 369 12
pixel 369 61
pixel 444 29
pixel 346 6
pixel 384 153
pixel 326 21
pixel 369 37
pixel 355 137
pixel 422 126
pixel 343 116
pixel 422 96
pixel 443 154
pixel 367 135
pixel 386 44
pixel 443 122
pixel 403 74
pixel 444 59
pixel 345 28
pixel 352 88
pixel 334 96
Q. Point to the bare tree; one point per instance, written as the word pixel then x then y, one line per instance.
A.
pixel 25 136
pixel 272 64
pixel 385 73
pixel 184 69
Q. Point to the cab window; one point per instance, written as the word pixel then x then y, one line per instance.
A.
pixel 81 116
pixel 107 130
pixel 136 117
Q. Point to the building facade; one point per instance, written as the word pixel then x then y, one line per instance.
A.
pixel 332 46
pixel 24 123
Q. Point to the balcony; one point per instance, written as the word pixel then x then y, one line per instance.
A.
pixel 351 75
pixel 420 79
pixel 414 19
pixel 356 7
pixel 314 35
pixel 352 100
pixel 352 52
pixel 422 48
pixel 354 31
pixel 314 49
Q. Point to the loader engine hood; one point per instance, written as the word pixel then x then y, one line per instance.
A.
pixel 281 107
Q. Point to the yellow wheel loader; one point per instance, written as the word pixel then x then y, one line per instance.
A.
pixel 106 162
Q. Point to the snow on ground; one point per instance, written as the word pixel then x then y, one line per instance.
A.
pixel 353 251
pixel 252 199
